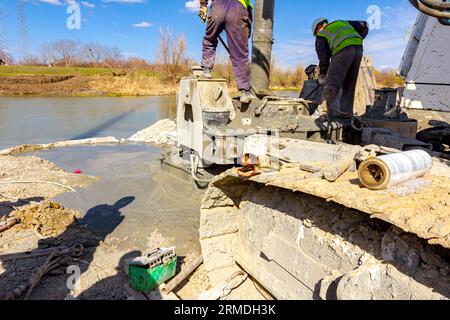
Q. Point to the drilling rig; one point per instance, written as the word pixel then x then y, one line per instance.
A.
pixel 296 234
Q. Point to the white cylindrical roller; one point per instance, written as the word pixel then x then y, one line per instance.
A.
pixel 385 171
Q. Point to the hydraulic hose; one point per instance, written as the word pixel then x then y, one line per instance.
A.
pixel 432 11
pixel 436 4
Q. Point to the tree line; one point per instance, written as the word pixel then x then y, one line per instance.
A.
pixel 171 62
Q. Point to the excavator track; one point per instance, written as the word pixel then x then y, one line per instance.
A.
pixel 307 238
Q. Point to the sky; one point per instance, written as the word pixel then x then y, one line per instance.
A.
pixel 133 25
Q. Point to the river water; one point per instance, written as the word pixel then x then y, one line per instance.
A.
pixel 44 120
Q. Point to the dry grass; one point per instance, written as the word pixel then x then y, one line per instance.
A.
pixel 132 84
pixel 389 78
pixel 287 78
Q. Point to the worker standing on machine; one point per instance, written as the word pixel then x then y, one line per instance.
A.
pixel 339 46
pixel 235 17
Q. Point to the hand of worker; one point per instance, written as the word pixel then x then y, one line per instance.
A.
pixel 322 79
pixel 203 13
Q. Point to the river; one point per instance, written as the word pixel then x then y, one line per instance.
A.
pixel 44 120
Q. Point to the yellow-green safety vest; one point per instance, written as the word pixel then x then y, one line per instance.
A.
pixel 340 34
pixel 246 3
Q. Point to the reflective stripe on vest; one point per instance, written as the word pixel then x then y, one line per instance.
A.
pixel 340 34
pixel 246 3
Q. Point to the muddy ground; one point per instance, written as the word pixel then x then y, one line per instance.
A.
pixel 26 185
pixel 114 84
pixel 54 85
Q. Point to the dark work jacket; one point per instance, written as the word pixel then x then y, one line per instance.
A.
pixel 323 48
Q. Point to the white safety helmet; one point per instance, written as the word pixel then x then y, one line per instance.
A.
pixel 316 23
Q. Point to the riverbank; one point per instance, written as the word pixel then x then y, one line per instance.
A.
pixel 81 82
pixel 42 81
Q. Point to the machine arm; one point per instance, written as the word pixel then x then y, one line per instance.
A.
pixel 434 8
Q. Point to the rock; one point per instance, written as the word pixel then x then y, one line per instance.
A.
pixel 382 282
pixel 396 246
pixel 429 257
pixel 162 132
pixel 432 274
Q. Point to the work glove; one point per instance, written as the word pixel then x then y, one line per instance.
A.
pixel 203 13
pixel 322 79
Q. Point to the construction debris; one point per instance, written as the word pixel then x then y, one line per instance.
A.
pixel 56 258
pixel 222 290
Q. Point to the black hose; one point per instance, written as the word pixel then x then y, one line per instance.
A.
pixel 419 5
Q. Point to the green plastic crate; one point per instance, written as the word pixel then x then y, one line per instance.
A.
pixel 145 274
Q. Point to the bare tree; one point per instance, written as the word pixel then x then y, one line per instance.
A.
pixel 62 52
pixel 32 60
pixel 96 54
pixel 113 57
pixel 5 58
pixel 171 54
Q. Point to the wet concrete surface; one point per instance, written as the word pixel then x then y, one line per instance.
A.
pixel 134 194
pixel 45 120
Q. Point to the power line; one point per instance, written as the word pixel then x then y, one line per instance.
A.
pixel 2 30
pixel 24 45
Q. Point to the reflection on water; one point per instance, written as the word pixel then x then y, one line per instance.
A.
pixel 44 120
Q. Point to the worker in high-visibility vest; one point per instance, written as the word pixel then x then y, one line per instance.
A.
pixel 235 17
pixel 339 46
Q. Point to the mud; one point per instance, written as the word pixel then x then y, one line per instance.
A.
pixel 46 85
pixel 34 173
pixel 60 144
pixel 137 214
pixel 47 219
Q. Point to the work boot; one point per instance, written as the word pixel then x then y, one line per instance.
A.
pixel 247 97
pixel 321 110
pixel 207 73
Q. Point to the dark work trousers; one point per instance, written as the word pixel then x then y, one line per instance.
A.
pixel 236 20
pixel 343 75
